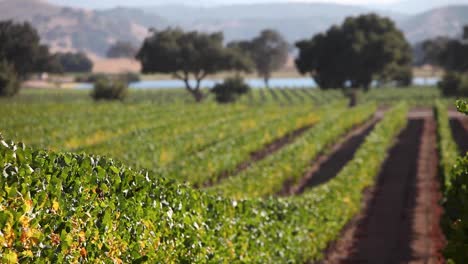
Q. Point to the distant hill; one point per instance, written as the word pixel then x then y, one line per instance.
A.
pixel 445 21
pixel 134 15
pixel 302 20
pixel 419 6
pixel 242 21
pixel 66 28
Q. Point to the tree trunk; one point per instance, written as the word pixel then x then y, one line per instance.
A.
pixel 266 79
pixel 195 92
pixel 198 96
pixel 353 94
pixel 367 85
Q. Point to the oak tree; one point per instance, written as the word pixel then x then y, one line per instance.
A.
pixel 188 56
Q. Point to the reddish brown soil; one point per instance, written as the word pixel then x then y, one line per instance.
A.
pixel 399 222
pixel 329 164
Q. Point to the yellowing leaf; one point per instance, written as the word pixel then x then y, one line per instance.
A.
pixel 24 221
pixel 27 253
pixel 55 206
pixel 82 236
pixel 9 235
pixel 29 205
pixel 347 200
pixel 10 258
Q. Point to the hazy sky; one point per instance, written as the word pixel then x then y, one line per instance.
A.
pixel 111 3
pixel 403 6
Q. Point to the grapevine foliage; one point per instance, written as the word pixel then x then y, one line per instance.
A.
pixel 64 207
pixel 455 175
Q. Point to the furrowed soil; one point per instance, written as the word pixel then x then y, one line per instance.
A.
pixel 328 165
pixel 399 222
pixel 261 154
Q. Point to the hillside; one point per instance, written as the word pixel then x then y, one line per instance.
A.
pixel 419 6
pixel 241 21
pixel 445 21
pixel 66 29
pixel 302 20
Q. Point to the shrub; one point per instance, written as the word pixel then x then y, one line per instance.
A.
pixel 454 84
pixel 109 89
pixel 230 90
pixel 9 83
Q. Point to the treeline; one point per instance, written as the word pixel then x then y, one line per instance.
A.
pixel 364 51
pixel 22 54
pixel 195 55
pixel 451 54
pixel 350 56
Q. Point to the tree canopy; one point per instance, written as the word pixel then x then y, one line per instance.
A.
pixel 9 84
pixel 361 50
pixel 188 55
pixel 74 62
pixel 269 52
pixel 20 47
pixel 450 54
pixel 433 48
pixel 122 49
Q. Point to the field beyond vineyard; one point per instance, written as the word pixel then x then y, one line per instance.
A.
pixel 281 176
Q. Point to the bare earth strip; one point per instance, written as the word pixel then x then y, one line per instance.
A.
pixel 329 164
pixel 399 222
pixel 261 154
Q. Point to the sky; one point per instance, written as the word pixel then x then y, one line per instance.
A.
pixel 402 6
pixel 112 3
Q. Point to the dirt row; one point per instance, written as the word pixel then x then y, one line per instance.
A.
pixel 261 154
pixel 399 222
pixel 323 168
pixel 327 165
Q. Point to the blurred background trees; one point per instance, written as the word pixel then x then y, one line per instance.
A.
pixel 20 47
pixel 21 54
pixel 122 49
pixel 269 52
pixel 74 62
pixel 354 54
pixel 452 55
pixel 189 56
pixel 9 83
